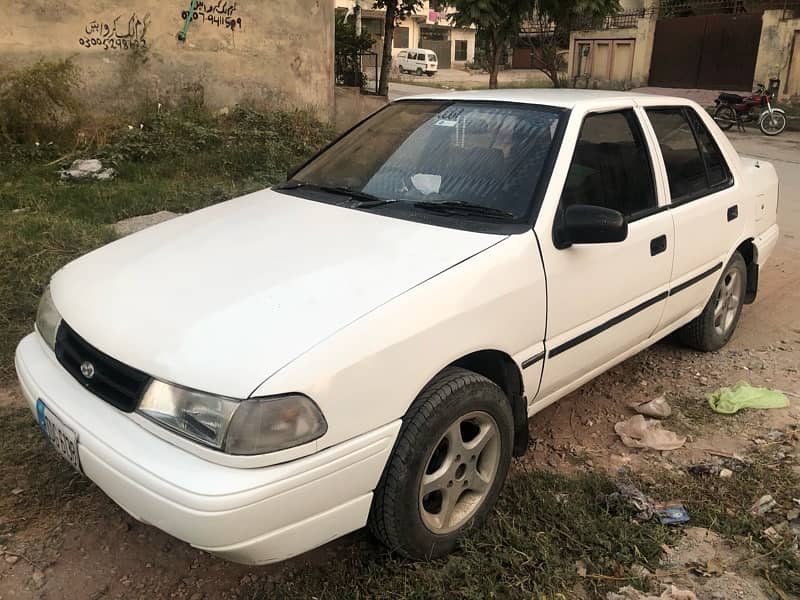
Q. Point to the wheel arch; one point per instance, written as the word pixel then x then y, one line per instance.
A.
pixel 749 253
pixel 498 367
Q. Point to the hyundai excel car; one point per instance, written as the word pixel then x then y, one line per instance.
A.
pixel 364 343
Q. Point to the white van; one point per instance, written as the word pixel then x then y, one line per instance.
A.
pixel 418 60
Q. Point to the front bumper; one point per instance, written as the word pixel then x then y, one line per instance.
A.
pixel 252 516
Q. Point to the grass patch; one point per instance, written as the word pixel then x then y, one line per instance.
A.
pixel 723 505
pixel 543 523
pixel 180 160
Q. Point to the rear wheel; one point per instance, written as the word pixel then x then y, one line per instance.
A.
pixel 419 71
pixel 716 324
pixel 448 465
pixel 772 124
pixel 725 116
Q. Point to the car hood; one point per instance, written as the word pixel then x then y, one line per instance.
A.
pixel 222 298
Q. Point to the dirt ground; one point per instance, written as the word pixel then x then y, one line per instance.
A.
pixel 64 539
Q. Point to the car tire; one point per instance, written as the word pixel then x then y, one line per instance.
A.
pixel 712 329
pixel 459 428
pixel 419 71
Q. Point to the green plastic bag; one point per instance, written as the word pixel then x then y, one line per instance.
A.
pixel 742 395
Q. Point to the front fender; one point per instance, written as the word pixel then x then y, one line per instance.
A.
pixel 370 372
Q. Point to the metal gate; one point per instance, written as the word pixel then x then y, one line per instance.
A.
pixel 443 49
pixel 706 52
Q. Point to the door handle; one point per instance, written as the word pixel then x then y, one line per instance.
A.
pixel 658 245
pixel 733 212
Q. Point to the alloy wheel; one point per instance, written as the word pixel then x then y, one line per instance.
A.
pixel 459 472
pixel 729 296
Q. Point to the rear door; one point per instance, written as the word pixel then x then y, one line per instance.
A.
pixel 603 299
pixel 704 202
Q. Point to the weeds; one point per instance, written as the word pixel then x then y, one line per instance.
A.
pixel 38 103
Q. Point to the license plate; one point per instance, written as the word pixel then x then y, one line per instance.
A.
pixel 63 439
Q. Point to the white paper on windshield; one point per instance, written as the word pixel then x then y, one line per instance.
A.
pixel 427 184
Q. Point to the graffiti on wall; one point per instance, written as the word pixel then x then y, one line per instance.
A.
pixel 221 14
pixel 118 34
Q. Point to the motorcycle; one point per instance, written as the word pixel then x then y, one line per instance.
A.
pixel 735 109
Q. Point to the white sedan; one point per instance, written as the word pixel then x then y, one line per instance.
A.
pixel 364 343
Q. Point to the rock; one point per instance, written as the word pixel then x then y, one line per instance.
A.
pixel 87 169
pixel 17 491
pixel 38 579
pixel 763 505
pixel 134 224
pixel 725 473
pixel 12 559
pixel 793 514
pixel 196 596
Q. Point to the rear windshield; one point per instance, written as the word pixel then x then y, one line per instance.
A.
pixel 490 154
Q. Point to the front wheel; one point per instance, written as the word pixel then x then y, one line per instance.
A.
pixel 429 73
pixel 725 116
pixel 714 327
pixel 448 466
pixel 772 124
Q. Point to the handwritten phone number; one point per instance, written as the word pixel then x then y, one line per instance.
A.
pixel 111 43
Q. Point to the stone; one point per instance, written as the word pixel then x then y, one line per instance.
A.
pixel 134 224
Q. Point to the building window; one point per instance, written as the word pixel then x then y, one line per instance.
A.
pixel 461 50
pixel 401 37
pixel 438 5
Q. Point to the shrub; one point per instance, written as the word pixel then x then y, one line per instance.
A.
pixel 38 103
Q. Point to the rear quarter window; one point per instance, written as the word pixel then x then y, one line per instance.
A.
pixel 695 165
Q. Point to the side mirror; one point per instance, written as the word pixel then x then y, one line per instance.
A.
pixel 587 224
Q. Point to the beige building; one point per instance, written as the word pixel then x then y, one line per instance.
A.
pixel 691 49
pixel 429 28
pixel 271 53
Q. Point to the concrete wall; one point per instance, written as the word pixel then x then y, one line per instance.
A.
pixel 353 106
pixel 775 53
pixel 643 35
pixel 272 53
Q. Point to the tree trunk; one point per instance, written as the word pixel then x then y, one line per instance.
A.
pixel 494 62
pixel 386 58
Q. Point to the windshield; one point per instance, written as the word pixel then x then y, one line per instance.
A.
pixel 490 155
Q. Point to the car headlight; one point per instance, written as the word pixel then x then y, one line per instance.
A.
pixel 47 319
pixel 253 426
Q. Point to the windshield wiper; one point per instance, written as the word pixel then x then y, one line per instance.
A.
pixel 363 199
pixel 465 208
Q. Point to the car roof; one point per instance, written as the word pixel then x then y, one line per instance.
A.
pixel 563 97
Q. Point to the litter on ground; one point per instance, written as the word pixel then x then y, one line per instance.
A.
pixel 656 407
pixel 668 513
pixel 638 432
pixel 87 169
pixel 729 400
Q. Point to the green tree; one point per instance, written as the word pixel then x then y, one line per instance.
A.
pixel 499 22
pixel 349 45
pixel 396 10
pixel 551 24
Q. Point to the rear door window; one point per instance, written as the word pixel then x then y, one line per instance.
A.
pixel 611 166
pixel 695 166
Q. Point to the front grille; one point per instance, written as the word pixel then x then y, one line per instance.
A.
pixel 116 383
